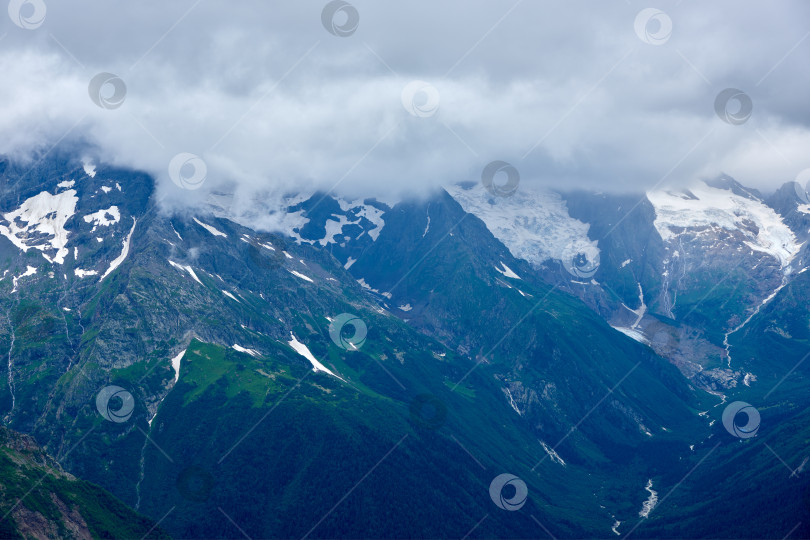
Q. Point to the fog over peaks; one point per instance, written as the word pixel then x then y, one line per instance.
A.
pixel 385 99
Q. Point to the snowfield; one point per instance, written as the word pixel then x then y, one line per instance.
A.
pixel 100 219
pixel 362 210
pixel 335 223
pixel 533 224
pixel 719 208
pixel 39 223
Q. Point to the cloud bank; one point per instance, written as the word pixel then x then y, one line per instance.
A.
pixel 373 98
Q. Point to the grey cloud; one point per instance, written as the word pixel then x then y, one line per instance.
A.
pixel 273 102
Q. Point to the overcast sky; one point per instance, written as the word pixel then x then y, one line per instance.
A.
pixel 572 93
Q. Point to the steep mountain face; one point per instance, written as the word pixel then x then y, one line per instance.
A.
pixel 722 287
pixel 534 225
pixel 627 281
pixel 277 384
pixel 171 370
pixel 555 362
pixel 64 229
pixel 76 207
pixel 731 229
pixel 718 228
pixel 678 271
pixel 792 203
pixel 38 499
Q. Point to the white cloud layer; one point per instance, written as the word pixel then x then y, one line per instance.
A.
pixel 565 91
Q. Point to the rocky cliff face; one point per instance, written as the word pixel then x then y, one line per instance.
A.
pixel 38 499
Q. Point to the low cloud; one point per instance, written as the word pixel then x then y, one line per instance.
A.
pixel 570 94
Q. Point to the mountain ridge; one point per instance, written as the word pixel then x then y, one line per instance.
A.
pixel 210 326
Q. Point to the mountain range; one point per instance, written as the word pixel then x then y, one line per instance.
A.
pixel 633 363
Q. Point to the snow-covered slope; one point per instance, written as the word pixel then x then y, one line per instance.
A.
pixel 314 219
pixel 709 210
pixel 79 223
pixel 533 224
pixel 359 209
pixel 39 223
pixel 355 219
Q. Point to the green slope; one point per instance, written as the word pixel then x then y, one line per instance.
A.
pixel 39 500
pixel 756 487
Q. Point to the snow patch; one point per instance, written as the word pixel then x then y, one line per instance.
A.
pixel 362 210
pixel 251 352
pixel 188 269
pixel 304 351
pixel 512 401
pixel 633 333
pixel 100 218
pixel 366 286
pixel 651 501
pixel 176 364
pixel 29 271
pixel 89 169
pixel 44 217
pixel 84 273
pixel 334 226
pixel 210 229
pixel 642 309
pixel 507 272
pixel 124 252
pixel 354 213
pixel 229 295
pixel 770 297
pixel 427 227
pixel 300 275
pixel 555 457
